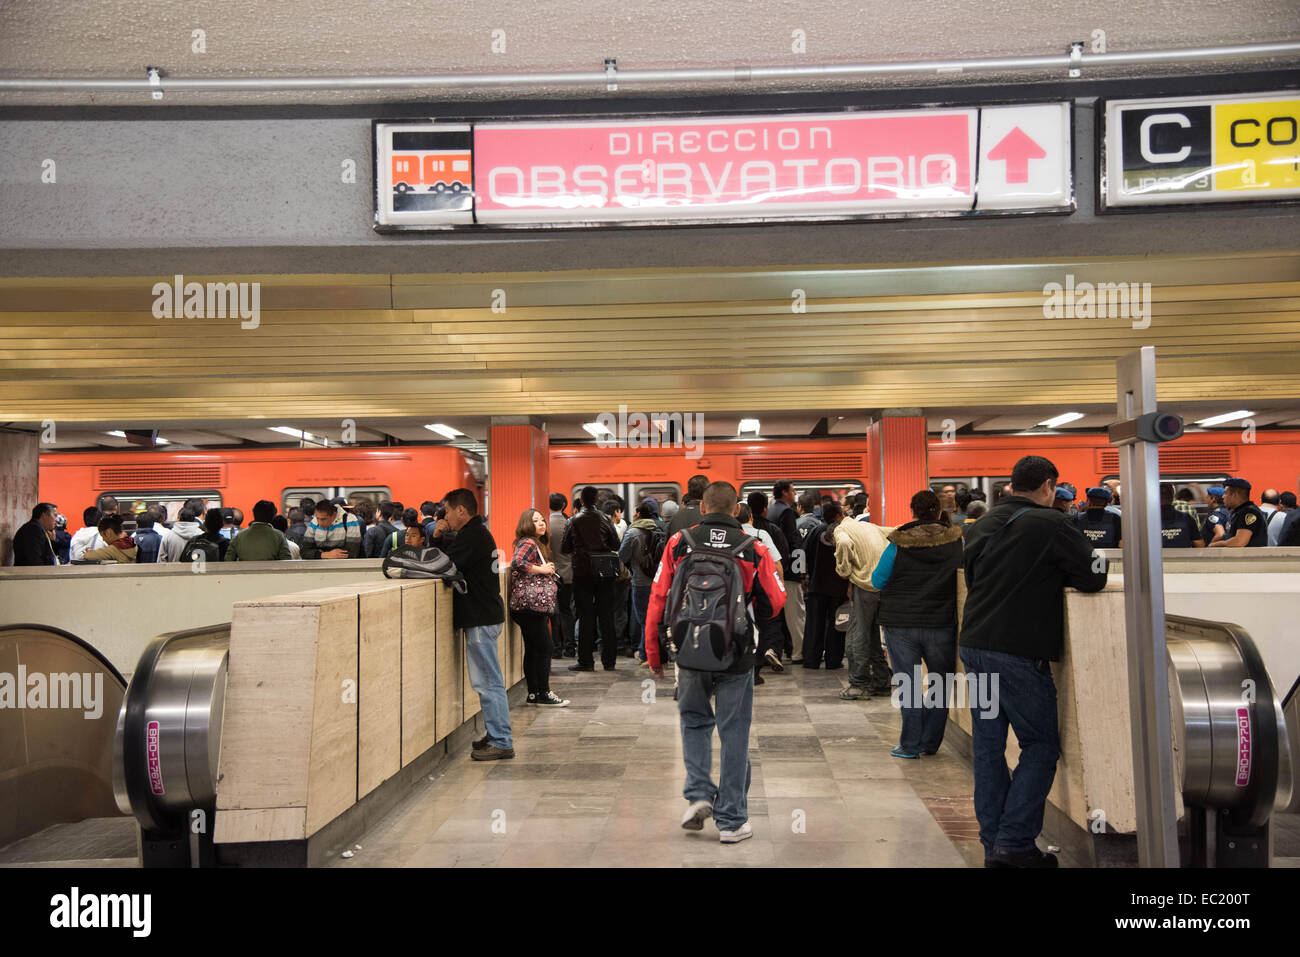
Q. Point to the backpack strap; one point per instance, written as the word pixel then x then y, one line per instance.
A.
pixel 744 543
pixel 688 538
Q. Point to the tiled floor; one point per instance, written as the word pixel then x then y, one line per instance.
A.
pixel 599 784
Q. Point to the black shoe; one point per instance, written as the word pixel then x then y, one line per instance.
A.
pixel 796 661
pixel 480 744
pixel 830 667
pixel 492 753
pixel 609 667
pixel 1017 859
pixel 551 699
pixel 582 667
pixel 759 680
pixel 556 654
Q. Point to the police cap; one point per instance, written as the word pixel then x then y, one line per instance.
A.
pixel 1240 483
pixel 1215 490
pixel 1064 493
pixel 1099 492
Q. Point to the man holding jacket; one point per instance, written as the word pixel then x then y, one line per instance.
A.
pixel 1018 559
pixel 858 549
pixel 480 613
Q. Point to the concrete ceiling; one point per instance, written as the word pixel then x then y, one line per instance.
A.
pixel 120 38
pixel 393 353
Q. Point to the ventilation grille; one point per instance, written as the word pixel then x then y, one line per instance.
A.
pixel 160 477
pixel 1177 460
pixel 803 466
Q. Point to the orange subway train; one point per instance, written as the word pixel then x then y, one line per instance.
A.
pixel 837 467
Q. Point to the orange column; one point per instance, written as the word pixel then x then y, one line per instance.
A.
pixel 897 464
pixel 519 472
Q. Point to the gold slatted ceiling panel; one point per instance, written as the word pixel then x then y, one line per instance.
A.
pixel 691 340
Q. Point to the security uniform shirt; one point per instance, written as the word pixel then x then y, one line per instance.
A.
pixel 1218 516
pixel 1177 528
pixel 1100 527
pixel 1248 516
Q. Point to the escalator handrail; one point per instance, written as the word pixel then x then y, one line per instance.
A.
pixel 95 652
pixel 1265 755
pixel 135 772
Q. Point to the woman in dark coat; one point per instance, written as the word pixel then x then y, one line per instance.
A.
pixel 917 578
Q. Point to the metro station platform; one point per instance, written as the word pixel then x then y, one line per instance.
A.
pixel 599 784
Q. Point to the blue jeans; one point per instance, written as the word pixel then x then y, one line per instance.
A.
pixel 640 611
pixel 735 694
pixel 1010 806
pixel 923 722
pixel 485 678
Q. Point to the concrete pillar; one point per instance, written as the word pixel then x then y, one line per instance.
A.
pixel 519 473
pixel 897 464
pixel 19 487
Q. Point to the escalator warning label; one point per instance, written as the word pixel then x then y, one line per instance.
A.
pixel 155 764
pixel 1243 747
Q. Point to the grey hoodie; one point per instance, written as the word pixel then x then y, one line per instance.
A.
pixel 173 545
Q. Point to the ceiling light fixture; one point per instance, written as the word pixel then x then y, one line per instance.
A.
pixel 596 429
pixel 1062 419
pixel 446 431
pixel 747 425
pixel 300 434
pixel 1226 417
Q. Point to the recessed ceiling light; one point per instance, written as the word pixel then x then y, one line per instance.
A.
pixel 1226 417
pixel 300 434
pixel 1062 419
pixel 596 429
pixel 446 431
pixel 747 425
pixel 116 435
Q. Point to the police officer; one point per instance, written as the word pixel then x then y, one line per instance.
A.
pixel 1246 525
pixel 1216 523
pixel 1177 528
pixel 1099 525
pixel 1064 501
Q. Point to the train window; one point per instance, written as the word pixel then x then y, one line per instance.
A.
pixel 374 494
pixel 659 491
pixel 839 491
pixel 129 503
pixel 292 497
pixel 576 496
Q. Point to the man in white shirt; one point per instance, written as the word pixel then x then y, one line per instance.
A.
pixel 88 537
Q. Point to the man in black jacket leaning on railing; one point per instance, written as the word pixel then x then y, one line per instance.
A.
pixel 1018 558
pixel 480 613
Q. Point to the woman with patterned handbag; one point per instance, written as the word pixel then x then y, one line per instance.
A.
pixel 533 584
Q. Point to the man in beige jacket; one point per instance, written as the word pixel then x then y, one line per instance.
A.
pixel 858 548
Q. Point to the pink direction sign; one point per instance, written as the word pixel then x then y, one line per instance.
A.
pixel 725 168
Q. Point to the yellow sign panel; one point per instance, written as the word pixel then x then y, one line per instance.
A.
pixel 1257 145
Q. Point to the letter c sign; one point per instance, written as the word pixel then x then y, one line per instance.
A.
pixel 1145 142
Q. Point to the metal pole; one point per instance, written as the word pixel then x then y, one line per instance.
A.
pixel 1144 613
pixel 702 76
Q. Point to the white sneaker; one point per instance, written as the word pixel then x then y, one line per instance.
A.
pixel 742 833
pixel 774 661
pixel 696 815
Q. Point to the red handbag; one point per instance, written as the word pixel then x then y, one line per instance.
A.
pixel 535 593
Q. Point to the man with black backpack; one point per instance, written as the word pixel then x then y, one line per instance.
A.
pixel 699 602
pixel 642 547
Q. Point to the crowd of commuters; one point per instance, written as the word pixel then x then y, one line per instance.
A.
pixel 724 589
